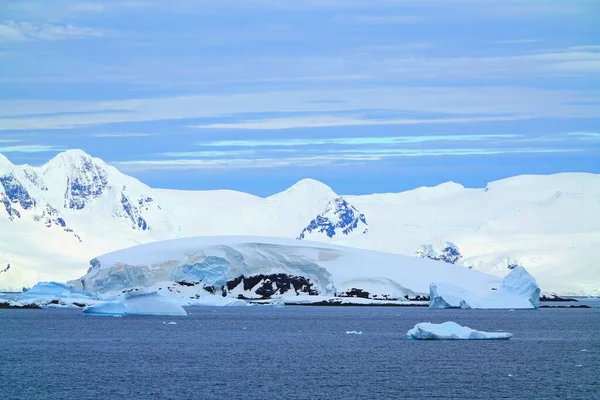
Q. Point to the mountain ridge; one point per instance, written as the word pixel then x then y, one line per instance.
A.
pixel 545 222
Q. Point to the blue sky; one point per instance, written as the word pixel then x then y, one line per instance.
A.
pixel 365 95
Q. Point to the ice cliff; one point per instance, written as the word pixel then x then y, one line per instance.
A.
pixel 518 290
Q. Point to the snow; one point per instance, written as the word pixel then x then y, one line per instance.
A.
pixel 338 218
pixel 518 290
pixel 137 304
pixel 548 223
pixel 215 261
pixel 452 330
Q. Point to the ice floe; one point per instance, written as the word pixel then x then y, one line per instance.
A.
pixel 452 330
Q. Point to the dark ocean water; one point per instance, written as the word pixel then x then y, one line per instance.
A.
pixel 297 353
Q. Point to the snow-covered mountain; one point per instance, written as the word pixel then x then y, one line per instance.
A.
pixel 339 218
pixel 56 217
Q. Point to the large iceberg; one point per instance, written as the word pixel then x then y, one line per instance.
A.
pixel 137 304
pixel 260 268
pixel 452 330
pixel 518 290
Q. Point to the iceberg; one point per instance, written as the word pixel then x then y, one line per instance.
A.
pixel 519 290
pixel 54 290
pixel 205 269
pixel 55 295
pixel 137 304
pixel 452 331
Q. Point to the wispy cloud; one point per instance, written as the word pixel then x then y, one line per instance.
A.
pixel 518 41
pixel 460 104
pixel 209 153
pixel 30 148
pixel 337 158
pixel 321 121
pixel 98 7
pixel 377 19
pixel 585 135
pixel 22 31
pixel 113 135
pixel 353 141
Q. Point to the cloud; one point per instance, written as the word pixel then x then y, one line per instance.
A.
pixel 585 135
pixel 30 148
pixel 23 31
pixel 122 134
pixel 332 121
pixel 378 19
pixel 517 41
pixel 459 104
pixel 338 158
pixel 352 141
pixel 208 153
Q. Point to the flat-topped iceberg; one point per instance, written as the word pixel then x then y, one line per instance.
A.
pixel 137 304
pixel 452 331
pixel 260 268
pixel 518 290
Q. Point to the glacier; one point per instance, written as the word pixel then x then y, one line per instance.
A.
pixel 519 290
pixel 137 304
pixel 452 331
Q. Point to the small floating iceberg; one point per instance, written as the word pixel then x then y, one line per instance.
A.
pixel 137 304
pixel 452 330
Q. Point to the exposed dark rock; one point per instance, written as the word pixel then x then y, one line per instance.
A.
pixel 340 303
pixel 186 283
pixel 417 298
pixel 339 216
pixel 554 297
pixel 24 307
pixel 571 306
pixel 266 286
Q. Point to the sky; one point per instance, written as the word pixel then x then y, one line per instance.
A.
pixel 368 96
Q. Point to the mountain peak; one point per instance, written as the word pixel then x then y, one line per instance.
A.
pixel 82 177
pixel 308 189
pixel 73 157
pixel 5 164
pixel 339 216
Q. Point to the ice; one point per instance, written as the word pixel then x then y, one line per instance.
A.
pixel 353 332
pixel 138 304
pixel 452 330
pixel 200 269
pixel 54 295
pixel 518 290
pixel 218 301
pixel 54 290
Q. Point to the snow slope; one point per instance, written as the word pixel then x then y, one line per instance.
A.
pixel 55 218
